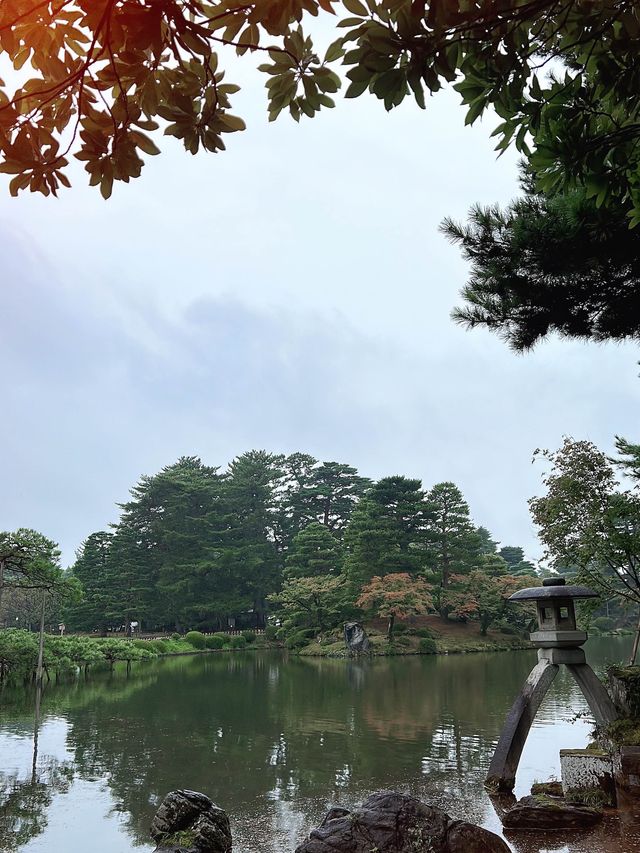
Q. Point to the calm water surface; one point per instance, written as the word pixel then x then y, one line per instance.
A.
pixel 275 741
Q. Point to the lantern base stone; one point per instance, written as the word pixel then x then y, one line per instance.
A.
pixel 558 656
pixel 558 639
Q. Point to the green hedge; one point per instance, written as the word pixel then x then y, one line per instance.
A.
pixel 215 642
pixel 196 639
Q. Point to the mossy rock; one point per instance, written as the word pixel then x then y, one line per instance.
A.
pixel 550 789
pixel 625 732
pixel 625 688
pixel 179 842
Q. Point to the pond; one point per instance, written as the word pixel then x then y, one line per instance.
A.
pixel 275 740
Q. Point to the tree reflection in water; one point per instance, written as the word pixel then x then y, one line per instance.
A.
pixel 275 741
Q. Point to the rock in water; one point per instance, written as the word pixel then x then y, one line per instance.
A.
pixel 389 822
pixel 189 822
pixel 356 638
pixel 542 813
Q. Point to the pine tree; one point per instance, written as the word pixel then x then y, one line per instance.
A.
pixel 250 492
pixel 314 551
pixel 387 531
pixel 91 568
pixel 454 545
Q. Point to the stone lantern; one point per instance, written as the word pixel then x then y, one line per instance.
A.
pixel 558 642
pixel 557 636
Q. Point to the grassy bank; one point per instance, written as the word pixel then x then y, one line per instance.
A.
pixel 71 654
pixel 432 635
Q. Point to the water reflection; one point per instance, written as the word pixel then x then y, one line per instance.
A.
pixel 274 741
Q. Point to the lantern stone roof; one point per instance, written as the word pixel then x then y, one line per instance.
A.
pixel 552 588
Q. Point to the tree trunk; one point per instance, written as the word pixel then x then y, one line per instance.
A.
pixel 41 642
pixel 636 641
pixel 390 624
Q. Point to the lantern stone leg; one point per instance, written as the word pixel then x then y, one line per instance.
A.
pixel 504 764
pixel 594 691
pixel 559 643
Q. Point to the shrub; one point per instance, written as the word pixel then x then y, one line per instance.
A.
pixel 196 639
pixel 250 636
pixel 160 646
pixel 403 641
pixel 238 642
pixel 427 646
pixel 301 638
pixel 270 632
pixel 506 628
pixel 141 644
pixel 400 628
pixel 176 636
pixel 603 623
pixel 215 641
pixel 422 632
pixel 281 633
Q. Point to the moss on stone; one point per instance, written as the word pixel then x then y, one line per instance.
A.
pixel 594 798
pixel 625 682
pixel 185 840
pixel 551 789
pixel 624 732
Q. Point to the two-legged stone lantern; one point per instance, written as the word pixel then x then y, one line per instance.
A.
pixel 558 642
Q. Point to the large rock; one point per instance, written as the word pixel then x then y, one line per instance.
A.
pixel 542 813
pixel 189 822
pixel 389 822
pixel 356 638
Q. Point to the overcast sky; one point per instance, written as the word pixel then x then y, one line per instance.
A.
pixel 292 293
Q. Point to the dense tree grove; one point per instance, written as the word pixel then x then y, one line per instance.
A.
pixel 312 543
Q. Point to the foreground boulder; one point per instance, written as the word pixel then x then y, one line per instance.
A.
pixel 543 813
pixel 189 822
pixel 388 822
pixel 355 638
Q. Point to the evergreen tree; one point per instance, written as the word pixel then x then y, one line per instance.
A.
pixel 516 561
pixel 454 544
pixel 30 561
pixel 629 457
pixel 562 264
pixel 387 531
pixel 171 545
pixel 314 551
pixel 293 512
pixel 486 545
pixel 326 493
pixel 250 492
pixel 91 568
pixel 332 494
